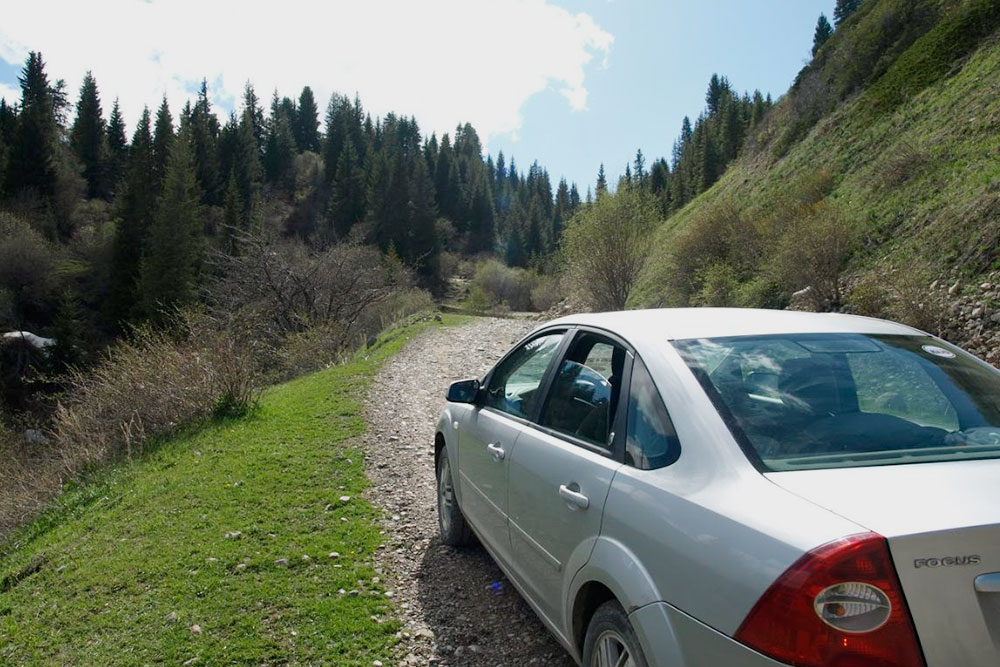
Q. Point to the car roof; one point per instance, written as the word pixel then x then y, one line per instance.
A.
pixel 683 323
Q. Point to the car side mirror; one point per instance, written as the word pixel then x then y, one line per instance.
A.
pixel 463 391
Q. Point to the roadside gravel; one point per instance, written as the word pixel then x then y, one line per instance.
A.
pixel 456 606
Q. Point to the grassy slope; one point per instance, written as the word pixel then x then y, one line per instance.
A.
pixel 942 206
pixel 121 555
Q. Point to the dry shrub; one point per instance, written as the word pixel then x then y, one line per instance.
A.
pixel 903 162
pixel 499 285
pixel 716 251
pixel 547 293
pixel 150 385
pixel 27 478
pixel 904 295
pixel 812 252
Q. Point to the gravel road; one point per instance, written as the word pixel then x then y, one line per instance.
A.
pixel 456 605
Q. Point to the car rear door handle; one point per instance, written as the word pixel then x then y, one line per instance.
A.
pixel 496 452
pixel 574 497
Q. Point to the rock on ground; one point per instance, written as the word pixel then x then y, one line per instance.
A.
pixel 453 611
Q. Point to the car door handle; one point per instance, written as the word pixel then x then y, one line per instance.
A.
pixel 496 452
pixel 574 497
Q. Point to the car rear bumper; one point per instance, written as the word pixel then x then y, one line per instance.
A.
pixel 671 638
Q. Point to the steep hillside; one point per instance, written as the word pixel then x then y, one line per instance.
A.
pixel 880 169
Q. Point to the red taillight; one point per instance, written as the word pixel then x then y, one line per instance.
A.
pixel 852 577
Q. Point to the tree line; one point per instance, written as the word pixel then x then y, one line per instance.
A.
pixel 180 187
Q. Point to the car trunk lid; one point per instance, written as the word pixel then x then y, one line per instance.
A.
pixel 942 523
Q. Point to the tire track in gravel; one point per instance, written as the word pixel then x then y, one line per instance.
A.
pixel 446 597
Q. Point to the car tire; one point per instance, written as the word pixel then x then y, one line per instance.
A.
pixel 609 636
pixel 454 529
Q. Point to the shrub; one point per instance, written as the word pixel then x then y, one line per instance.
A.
pixel 903 295
pixel 151 384
pixel 607 245
pixel 719 246
pixel 903 163
pixel 498 285
pixel 813 252
pixel 546 293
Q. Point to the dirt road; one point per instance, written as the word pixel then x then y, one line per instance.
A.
pixel 457 607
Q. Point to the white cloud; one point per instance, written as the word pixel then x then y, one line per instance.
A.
pixel 9 93
pixel 443 61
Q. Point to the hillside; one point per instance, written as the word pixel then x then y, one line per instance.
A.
pixel 878 173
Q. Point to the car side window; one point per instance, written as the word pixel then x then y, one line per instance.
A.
pixel 584 394
pixel 514 384
pixel 651 441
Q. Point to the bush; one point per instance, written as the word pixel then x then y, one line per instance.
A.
pixel 607 245
pixel 546 293
pixel 712 256
pixel 812 253
pixel 500 285
pixel 901 164
pixel 903 295
pixel 151 384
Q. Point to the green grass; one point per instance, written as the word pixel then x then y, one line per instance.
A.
pixel 127 563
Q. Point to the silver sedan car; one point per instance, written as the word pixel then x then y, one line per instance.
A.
pixel 736 487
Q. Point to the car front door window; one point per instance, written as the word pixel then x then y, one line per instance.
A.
pixel 584 392
pixel 515 383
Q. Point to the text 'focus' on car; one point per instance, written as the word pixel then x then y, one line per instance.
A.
pixel 736 487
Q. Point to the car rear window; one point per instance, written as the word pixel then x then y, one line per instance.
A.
pixel 837 400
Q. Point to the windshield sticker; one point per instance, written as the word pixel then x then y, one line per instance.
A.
pixel 938 351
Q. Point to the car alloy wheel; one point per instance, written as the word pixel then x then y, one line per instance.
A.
pixel 446 496
pixel 611 651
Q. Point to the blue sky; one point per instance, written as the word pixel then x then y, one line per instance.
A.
pixel 657 72
pixel 569 83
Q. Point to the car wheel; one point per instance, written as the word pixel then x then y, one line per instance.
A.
pixel 454 530
pixel 610 640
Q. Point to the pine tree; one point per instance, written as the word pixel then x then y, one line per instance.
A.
pixel 173 253
pixel 640 168
pixel 844 9
pixel 232 213
pixel 659 177
pixel 446 182
pixel 338 120
pixel 88 137
pixel 307 122
pixel 117 150
pixel 279 149
pixel 255 113
pixel 574 199
pixel 204 134
pixel 482 226
pixel 135 210
pixel 246 168
pixel 421 233
pixel 67 331
pixel 717 88
pixel 602 182
pixel 561 212
pixel 823 32
pixel 348 200
pixel 163 139
pixel 31 155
